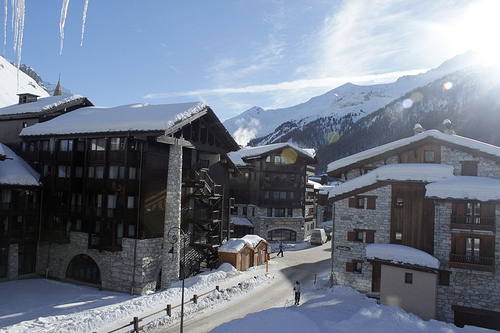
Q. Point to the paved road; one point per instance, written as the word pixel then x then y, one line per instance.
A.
pixel 295 265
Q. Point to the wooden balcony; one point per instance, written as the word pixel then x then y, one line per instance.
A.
pixel 472 223
pixel 472 262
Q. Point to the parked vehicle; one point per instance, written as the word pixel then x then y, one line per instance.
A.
pixel 318 236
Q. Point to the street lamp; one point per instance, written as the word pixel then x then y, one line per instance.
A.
pixel 173 237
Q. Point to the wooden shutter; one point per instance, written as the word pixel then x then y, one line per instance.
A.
pixel 352 202
pixel 349 267
pixel 444 278
pixel 370 203
pixel 351 236
pixel 370 236
pixel 469 168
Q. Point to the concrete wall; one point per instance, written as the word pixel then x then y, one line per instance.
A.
pixel 418 298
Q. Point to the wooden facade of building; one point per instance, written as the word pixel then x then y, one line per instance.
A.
pixel 106 189
pixel 272 190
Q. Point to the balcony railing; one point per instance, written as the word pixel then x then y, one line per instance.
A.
pixel 472 262
pixel 474 223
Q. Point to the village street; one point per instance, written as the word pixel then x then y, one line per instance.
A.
pixel 300 265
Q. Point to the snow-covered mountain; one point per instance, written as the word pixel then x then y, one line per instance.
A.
pixel 348 99
pixel 14 81
pixel 343 120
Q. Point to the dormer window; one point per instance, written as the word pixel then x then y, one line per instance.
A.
pixel 27 98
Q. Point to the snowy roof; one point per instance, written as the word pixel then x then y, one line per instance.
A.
pixel 400 254
pixel 241 221
pixel 253 240
pixel 395 145
pixel 317 186
pixel 125 118
pixel 42 104
pixel 15 171
pixel 395 172
pixel 239 156
pixel 234 245
pixel 465 187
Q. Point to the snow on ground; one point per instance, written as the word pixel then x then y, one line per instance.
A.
pixel 41 305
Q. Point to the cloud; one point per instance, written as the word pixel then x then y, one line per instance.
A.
pixel 328 82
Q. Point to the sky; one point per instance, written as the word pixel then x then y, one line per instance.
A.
pixel 42 305
pixel 235 54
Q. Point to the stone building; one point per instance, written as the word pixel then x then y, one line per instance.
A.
pixel 435 192
pixel 130 193
pixel 273 191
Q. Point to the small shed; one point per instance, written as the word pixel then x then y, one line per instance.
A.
pixel 409 278
pixel 236 252
pixel 259 246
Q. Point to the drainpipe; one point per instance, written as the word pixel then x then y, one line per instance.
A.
pixel 138 219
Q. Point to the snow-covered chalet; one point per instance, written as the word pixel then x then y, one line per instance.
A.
pixel 129 193
pixel 415 224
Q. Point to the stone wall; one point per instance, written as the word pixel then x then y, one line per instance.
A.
pixel 468 288
pixel 116 268
pixel 263 224
pixel 347 219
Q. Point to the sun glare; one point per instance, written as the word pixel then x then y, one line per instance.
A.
pixel 479 31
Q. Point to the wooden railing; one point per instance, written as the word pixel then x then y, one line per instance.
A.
pixel 472 262
pixel 471 222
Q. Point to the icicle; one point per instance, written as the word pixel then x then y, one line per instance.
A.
pixel 84 19
pixel 5 25
pixel 64 10
pixel 18 32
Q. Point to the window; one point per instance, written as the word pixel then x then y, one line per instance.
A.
pixel 279 212
pixel 117 144
pixel 429 156
pixel 45 145
pixel 409 278
pixel 269 212
pixel 399 202
pixel 282 235
pixel 96 171
pixel 289 212
pixel 98 144
pixel 65 145
pixel 244 211
pixel 472 251
pixel 132 171
pixel 398 235
pixel 361 235
pixel 356 266
pixel 116 172
pixel 278 160
pixel 131 202
pixel 47 170
pixel 64 171
pixel 80 146
pixel 359 202
pixel 473 213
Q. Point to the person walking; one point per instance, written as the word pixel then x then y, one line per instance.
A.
pixel 296 288
pixel 281 250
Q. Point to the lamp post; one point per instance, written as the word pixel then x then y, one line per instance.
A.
pixel 173 237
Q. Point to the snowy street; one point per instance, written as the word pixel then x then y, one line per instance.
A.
pixel 277 292
pixel 250 301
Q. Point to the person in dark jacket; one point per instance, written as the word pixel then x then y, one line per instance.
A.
pixel 296 288
pixel 281 250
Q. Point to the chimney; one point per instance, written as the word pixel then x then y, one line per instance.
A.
pixel 58 90
pixel 448 127
pixel 417 129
